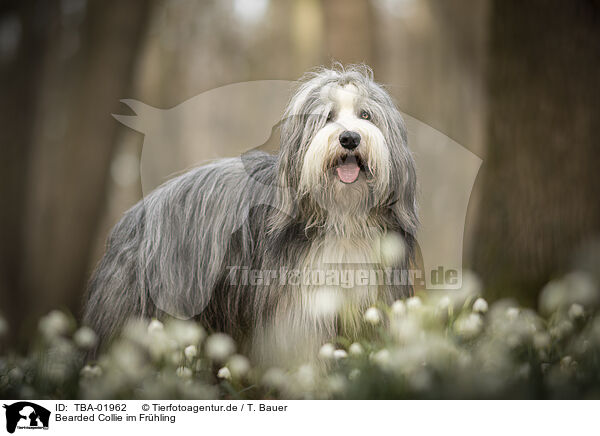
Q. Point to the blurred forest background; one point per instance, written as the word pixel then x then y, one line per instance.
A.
pixel 515 82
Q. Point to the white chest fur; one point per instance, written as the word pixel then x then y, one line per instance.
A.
pixel 339 273
pixel 335 283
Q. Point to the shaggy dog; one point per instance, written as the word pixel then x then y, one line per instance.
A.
pixel 256 246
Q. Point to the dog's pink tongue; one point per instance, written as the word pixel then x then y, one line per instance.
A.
pixel 348 171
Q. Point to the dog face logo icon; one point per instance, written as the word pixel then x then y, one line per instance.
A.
pixel 26 415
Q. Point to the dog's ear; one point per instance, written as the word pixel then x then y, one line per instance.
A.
pixel 403 177
pixel 285 207
pixel 287 174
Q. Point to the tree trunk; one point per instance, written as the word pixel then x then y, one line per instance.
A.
pixel 19 82
pixel 540 177
pixel 72 82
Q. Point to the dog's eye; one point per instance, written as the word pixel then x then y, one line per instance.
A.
pixel 329 116
pixel 365 115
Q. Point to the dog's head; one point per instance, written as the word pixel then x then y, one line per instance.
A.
pixel 344 152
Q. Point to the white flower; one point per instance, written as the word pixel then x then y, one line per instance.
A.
pixel 340 354
pixel 393 249
pixel 373 316
pixel 274 378
pixel 136 330
pixel 161 345
pixel 155 326
pixel 576 287
pixel 512 313
pixel 91 371
pixel 553 296
pixel 414 303
pixel 582 288
pixel 184 332
pixel 480 306
pixel 305 377
pixel 398 308
pixel 85 338
pixel 128 358
pixel 444 302
pixel 184 372
pixel 562 329
pixel 576 311
pixel 219 346
pixel 336 383
pixel 326 302
pixel 224 373
pixel 406 329
pixel 326 351
pixel 238 365
pixel 190 351
pixel 54 324
pixel 567 362
pixel 381 358
pixel 469 325
pixel 153 336
pixel 355 349
pixel 541 340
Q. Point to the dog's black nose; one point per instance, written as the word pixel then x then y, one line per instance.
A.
pixel 349 140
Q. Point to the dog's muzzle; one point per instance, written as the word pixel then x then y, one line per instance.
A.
pixel 349 166
pixel 349 140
